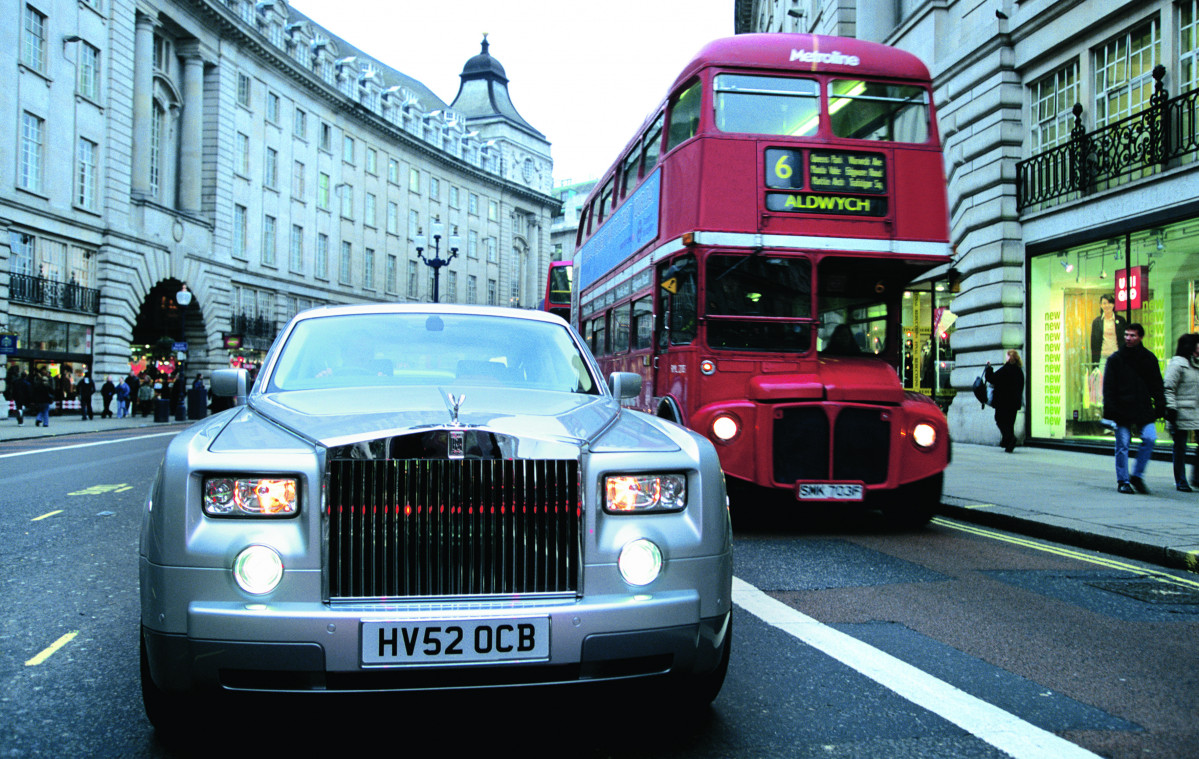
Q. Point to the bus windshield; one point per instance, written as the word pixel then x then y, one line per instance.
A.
pixel 559 290
pixel 854 307
pixel 757 285
pixel 767 105
pixel 876 111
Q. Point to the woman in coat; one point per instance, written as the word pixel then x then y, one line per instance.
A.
pixel 1182 403
pixel 1008 396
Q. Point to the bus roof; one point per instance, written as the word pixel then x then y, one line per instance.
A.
pixel 807 52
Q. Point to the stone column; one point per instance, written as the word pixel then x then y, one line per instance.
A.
pixel 143 94
pixel 191 142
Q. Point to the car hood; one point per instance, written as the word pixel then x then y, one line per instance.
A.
pixel 344 416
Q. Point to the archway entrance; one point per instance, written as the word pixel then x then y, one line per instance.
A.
pixel 168 335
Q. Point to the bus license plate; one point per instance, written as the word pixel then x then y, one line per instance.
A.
pixel 458 640
pixel 828 491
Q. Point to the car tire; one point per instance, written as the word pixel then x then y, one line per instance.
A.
pixel 166 711
pixel 911 506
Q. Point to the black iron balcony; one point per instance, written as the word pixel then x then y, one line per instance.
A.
pixel 1163 135
pixel 253 326
pixel 67 296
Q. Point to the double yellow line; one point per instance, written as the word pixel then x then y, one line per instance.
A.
pixel 1102 561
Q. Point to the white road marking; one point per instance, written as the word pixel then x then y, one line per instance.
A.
pixel 88 445
pixel 989 723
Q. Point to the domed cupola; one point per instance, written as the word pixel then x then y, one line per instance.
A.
pixel 483 92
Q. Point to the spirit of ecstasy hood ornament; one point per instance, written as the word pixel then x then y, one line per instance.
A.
pixel 455 404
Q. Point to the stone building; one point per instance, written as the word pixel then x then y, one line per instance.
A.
pixel 1071 140
pixel 240 152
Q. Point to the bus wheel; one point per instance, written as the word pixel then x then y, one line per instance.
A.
pixel 911 506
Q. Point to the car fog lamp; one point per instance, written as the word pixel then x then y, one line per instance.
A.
pixel 645 492
pixel 258 569
pixel 924 435
pixel 250 496
pixel 640 562
pixel 725 427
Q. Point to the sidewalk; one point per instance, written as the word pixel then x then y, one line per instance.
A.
pixel 1065 496
pixel 1070 497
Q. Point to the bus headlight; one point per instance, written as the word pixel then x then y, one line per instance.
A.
pixel 725 427
pixel 924 435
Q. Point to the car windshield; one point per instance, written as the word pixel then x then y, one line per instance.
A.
pixel 386 349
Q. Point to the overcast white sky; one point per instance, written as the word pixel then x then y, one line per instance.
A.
pixel 585 73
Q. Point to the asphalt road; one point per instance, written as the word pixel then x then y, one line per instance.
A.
pixel 849 642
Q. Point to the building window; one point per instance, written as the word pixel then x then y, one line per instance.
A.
pixel 1124 73
pixel 368 210
pixel 413 280
pixel 243 90
pixel 492 293
pixel 492 247
pixel 239 231
pixel 472 204
pixel 272 108
pixel 346 193
pixel 393 218
pixel 453 199
pixel 85 174
pixel 1188 45
pixel 493 211
pixel 368 269
pixel 1053 99
pixel 514 291
pixel 472 289
pixel 33 137
pixel 241 159
pixel 343 269
pixel 472 244
pixel 33 39
pixel 270 169
pixel 320 263
pixel 434 188
pixel 393 171
pixel 268 240
pixel 393 264
pixel 88 71
pixel 299 126
pixel 295 261
pixel 451 287
pixel 372 161
pixel 413 223
pixel 326 143
pixel 347 149
pixel 297 180
pixel 157 122
pixel 322 191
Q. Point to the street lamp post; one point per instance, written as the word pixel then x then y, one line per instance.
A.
pixel 436 262
pixel 184 299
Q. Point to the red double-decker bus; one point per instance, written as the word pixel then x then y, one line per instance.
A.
pixel 748 253
pixel 557 289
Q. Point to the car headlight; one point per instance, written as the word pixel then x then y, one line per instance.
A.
pixel 644 493
pixel 640 562
pixel 258 569
pixel 924 435
pixel 251 497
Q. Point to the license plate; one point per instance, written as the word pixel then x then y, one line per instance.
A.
pixel 453 641
pixel 828 491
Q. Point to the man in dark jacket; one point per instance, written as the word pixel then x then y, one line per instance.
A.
pixel 107 391
pixel 1134 398
pixel 86 388
pixel 21 394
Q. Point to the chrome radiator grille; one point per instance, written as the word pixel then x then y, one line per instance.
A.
pixel 434 528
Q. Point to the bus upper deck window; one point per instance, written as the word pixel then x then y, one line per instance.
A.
pixel 653 146
pixel 684 116
pixel 877 111
pixel 767 105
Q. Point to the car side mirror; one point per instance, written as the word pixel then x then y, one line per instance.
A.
pixel 231 383
pixel 624 384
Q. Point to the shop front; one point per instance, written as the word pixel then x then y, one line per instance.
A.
pixel 1080 298
pixel 60 351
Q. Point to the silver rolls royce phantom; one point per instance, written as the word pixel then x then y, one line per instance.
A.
pixel 415 497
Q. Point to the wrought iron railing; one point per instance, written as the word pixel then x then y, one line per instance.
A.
pixel 1163 135
pixel 253 326
pixel 39 291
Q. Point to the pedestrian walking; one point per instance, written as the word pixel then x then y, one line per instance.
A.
pixel 197 399
pixel 42 396
pixel 145 398
pixel 107 391
pixel 1182 404
pixel 1007 397
pixel 21 395
pixel 86 388
pixel 1134 399
pixel 123 399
